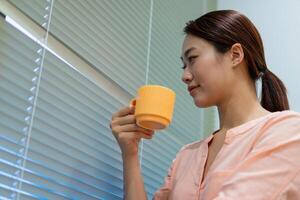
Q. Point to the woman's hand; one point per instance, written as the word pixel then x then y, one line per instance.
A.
pixel 126 132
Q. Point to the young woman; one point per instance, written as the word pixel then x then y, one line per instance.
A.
pixel 254 154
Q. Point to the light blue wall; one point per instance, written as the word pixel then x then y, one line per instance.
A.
pixel 278 23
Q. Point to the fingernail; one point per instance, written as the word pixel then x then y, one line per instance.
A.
pixel 147 133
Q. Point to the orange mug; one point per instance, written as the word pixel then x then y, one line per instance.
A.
pixel 154 106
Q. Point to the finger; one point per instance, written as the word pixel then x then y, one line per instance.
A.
pixel 125 136
pixel 123 112
pixel 145 130
pixel 125 128
pixel 132 128
pixel 149 132
pixel 129 119
pixel 144 135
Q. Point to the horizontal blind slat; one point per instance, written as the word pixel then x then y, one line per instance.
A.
pixel 139 54
pixel 49 178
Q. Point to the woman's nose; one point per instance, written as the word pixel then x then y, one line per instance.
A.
pixel 186 76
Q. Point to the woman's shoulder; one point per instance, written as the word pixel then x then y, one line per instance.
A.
pixel 280 128
pixel 284 118
pixel 284 123
pixel 287 113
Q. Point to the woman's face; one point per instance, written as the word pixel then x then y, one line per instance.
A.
pixel 207 73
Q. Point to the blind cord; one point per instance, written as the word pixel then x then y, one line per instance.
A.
pixel 147 68
pixel 35 95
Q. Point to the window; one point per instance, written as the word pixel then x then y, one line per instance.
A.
pixel 59 90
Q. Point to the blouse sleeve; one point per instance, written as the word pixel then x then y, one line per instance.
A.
pixel 271 168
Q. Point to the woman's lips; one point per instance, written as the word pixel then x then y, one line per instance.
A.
pixel 192 90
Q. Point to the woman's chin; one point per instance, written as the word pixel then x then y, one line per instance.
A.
pixel 201 103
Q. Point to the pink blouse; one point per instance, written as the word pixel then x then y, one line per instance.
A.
pixel 260 160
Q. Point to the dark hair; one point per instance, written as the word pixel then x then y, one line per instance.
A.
pixel 222 29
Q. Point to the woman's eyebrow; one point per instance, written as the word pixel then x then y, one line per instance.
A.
pixel 187 52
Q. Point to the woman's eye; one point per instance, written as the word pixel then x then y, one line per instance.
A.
pixel 191 58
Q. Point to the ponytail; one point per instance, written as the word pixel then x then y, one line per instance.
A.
pixel 273 97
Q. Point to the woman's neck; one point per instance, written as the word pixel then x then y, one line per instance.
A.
pixel 240 108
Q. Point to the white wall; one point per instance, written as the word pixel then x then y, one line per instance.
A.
pixel 278 22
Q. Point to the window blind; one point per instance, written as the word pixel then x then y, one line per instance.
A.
pixel 83 159
pixel 111 35
pixel 18 76
pixel 71 153
pixel 36 9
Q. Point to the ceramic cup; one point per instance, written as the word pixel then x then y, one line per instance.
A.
pixel 154 106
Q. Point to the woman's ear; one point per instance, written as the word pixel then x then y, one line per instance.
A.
pixel 237 54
